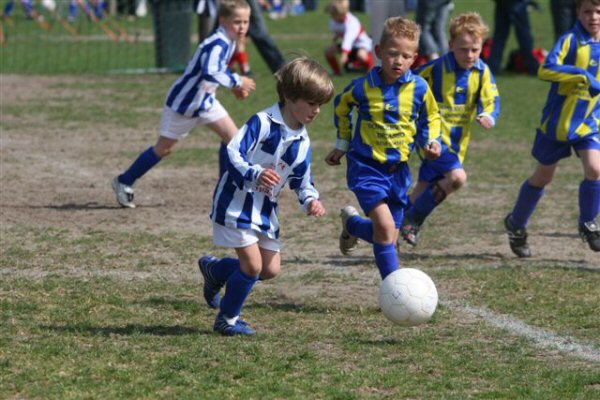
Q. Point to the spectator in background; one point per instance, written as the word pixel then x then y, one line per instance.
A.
pixel 350 40
pixel 311 5
pixel 433 15
pixel 563 16
pixel 382 10
pixel 507 13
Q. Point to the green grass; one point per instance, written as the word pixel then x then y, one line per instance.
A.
pixel 97 309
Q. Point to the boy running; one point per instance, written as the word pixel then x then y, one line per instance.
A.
pixel 272 149
pixel 191 101
pixel 569 121
pixel 465 90
pixel 395 109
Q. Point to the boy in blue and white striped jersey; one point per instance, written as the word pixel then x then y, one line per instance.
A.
pixel 270 150
pixel 191 101
pixel 570 120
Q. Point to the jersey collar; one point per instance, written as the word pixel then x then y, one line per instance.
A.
pixel 583 37
pixel 452 65
pixel 375 80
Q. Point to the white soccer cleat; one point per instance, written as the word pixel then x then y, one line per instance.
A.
pixel 347 241
pixel 124 193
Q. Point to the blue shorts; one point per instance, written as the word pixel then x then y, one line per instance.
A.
pixel 434 170
pixel 548 151
pixel 373 183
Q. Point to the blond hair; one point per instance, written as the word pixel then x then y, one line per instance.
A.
pixel 400 27
pixel 303 78
pixel 338 7
pixel 470 23
pixel 228 7
pixel 579 3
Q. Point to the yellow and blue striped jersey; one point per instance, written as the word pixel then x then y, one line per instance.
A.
pixel 461 95
pixel 572 110
pixel 389 118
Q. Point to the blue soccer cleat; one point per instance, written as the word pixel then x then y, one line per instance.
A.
pixel 225 329
pixel 212 287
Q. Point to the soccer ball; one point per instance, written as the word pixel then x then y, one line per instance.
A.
pixel 408 297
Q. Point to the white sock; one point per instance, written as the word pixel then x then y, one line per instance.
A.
pixel 232 321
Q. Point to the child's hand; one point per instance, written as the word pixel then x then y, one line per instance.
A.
pixel 268 179
pixel 334 157
pixel 240 93
pixel 248 84
pixel 433 150
pixel 485 121
pixel 316 209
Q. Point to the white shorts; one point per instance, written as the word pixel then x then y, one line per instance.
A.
pixel 176 126
pixel 234 238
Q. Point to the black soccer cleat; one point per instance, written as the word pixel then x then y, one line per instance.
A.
pixel 517 239
pixel 410 231
pixel 590 233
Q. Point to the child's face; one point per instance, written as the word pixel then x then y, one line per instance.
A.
pixel 340 18
pixel 237 24
pixel 589 16
pixel 302 111
pixel 466 49
pixel 396 55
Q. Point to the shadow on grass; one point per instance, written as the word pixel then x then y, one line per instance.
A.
pixel 127 330
pixel 84 206
pixel 298 308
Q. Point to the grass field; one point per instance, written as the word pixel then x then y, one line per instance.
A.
pixel 102 302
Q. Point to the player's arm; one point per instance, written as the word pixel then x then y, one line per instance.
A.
pixel 428 123
pixel 300 181
pixel 215 68
pixel 342 118
pixel 488 103
pixel 554 69
pixel 244 173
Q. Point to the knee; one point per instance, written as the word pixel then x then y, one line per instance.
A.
pixel 540 181
pixel 458 179
pixel 385 233
pixel 593 173
pixel 270 272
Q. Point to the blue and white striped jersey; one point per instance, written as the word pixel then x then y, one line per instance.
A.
pixel 265 141
pixel 195 90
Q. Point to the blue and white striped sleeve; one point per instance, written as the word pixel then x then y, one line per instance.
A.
pixel 217 61
pixel 300 181
pixel 242 171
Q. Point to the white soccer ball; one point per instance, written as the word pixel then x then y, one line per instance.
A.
pixel 408 297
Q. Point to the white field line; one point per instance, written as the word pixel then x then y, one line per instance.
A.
pixel 541 338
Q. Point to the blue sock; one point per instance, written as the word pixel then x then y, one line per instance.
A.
pixel 140 166
pixel 8 9
pixel 589 200
pixel 529 196
pixel 73 9
pixel 386 258
pixel 423 206
pixel 239 286
pixel 222 269
pixel 360 227
pixel 223 159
